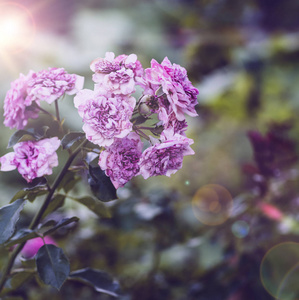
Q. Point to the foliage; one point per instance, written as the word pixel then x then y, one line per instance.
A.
pixel 245 58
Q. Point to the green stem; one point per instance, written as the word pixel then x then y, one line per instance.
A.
pixel 57 111
pixel 39 214
pixel 46 112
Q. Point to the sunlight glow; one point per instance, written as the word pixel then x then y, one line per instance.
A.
pixel 17 27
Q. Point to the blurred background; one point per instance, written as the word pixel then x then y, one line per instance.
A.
pixel 226 225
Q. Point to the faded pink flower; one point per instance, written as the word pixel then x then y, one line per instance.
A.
pixel 117 75
pixel 271 211
pixel 121 160
pixel 49 85
pixel 32 246
pixel 17 107
pixel 165 158
pixel 105 117
pixel 175 86
pixel 32 158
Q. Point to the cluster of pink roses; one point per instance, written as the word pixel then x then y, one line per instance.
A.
pixel 109 113
pixel 35 158
pixel 23 99
pixel 112 117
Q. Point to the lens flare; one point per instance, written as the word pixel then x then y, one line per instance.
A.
pixel 279 271
pixel 17 27
pixel 240 229
pixel 212 204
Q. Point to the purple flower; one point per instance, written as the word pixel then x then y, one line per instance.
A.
pixel 32 246
pixel 121 160
pixel 49 85
pixel 117 75
pixel 23 98
pixel 32 158
pixel 165 158
pixel 105 117
pixel 180 94
pixel 17 107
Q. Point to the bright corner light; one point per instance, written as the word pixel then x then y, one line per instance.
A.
pixel 16 28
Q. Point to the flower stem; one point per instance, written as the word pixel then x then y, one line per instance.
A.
pixel 57 111
pixel 39 214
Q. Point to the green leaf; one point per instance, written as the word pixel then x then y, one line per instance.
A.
pixel 57 201
pixel 101 185
pixel 139 120
pixel 60 224
pixel 21 236
pixel 69 139
pixel 95 206
pixel 31 193
pixel 52 265
pixel 28 263
pixel 20 136
pixel 19 279
pixel 9 216
pixel 68 182
pixel 99 280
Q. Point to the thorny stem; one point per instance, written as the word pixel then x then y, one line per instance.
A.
pixel 39 214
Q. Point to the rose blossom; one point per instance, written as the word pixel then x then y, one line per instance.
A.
pixel 105 117
pixel 117 75
pixel 165 158
pixel 121 160
pixel 17 107
pixel 174 84
pixel 32 158
pixel 49 85
pixel 32 246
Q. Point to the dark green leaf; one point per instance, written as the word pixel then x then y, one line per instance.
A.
pixel 20 136
pixel 100 281
pixel 68 182
pixel 32 192
pixel 28 263
pixel 19 279
pixel 9 216
pixel 52 265
pixel 101 185
pixel 92 157
pixel 21 236
pixel 95 206
pixel 57 201
pixel 69 139
pixel 61 223
pixel 139 120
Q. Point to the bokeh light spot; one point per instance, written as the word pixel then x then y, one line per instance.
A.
pixel 212 204
pixel 187 182
pixel 279 271
pixel 17 27
pixel 240 229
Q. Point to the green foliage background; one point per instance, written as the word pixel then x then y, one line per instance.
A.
pixel 243 56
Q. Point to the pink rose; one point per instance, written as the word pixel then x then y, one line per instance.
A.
pixel 105 117
pixel 121 160
pixel 49 85
pixel 32 246
pixel 117 75
pixel 165 158
pixel 32 158
pixel 173 80
pixel 17 107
